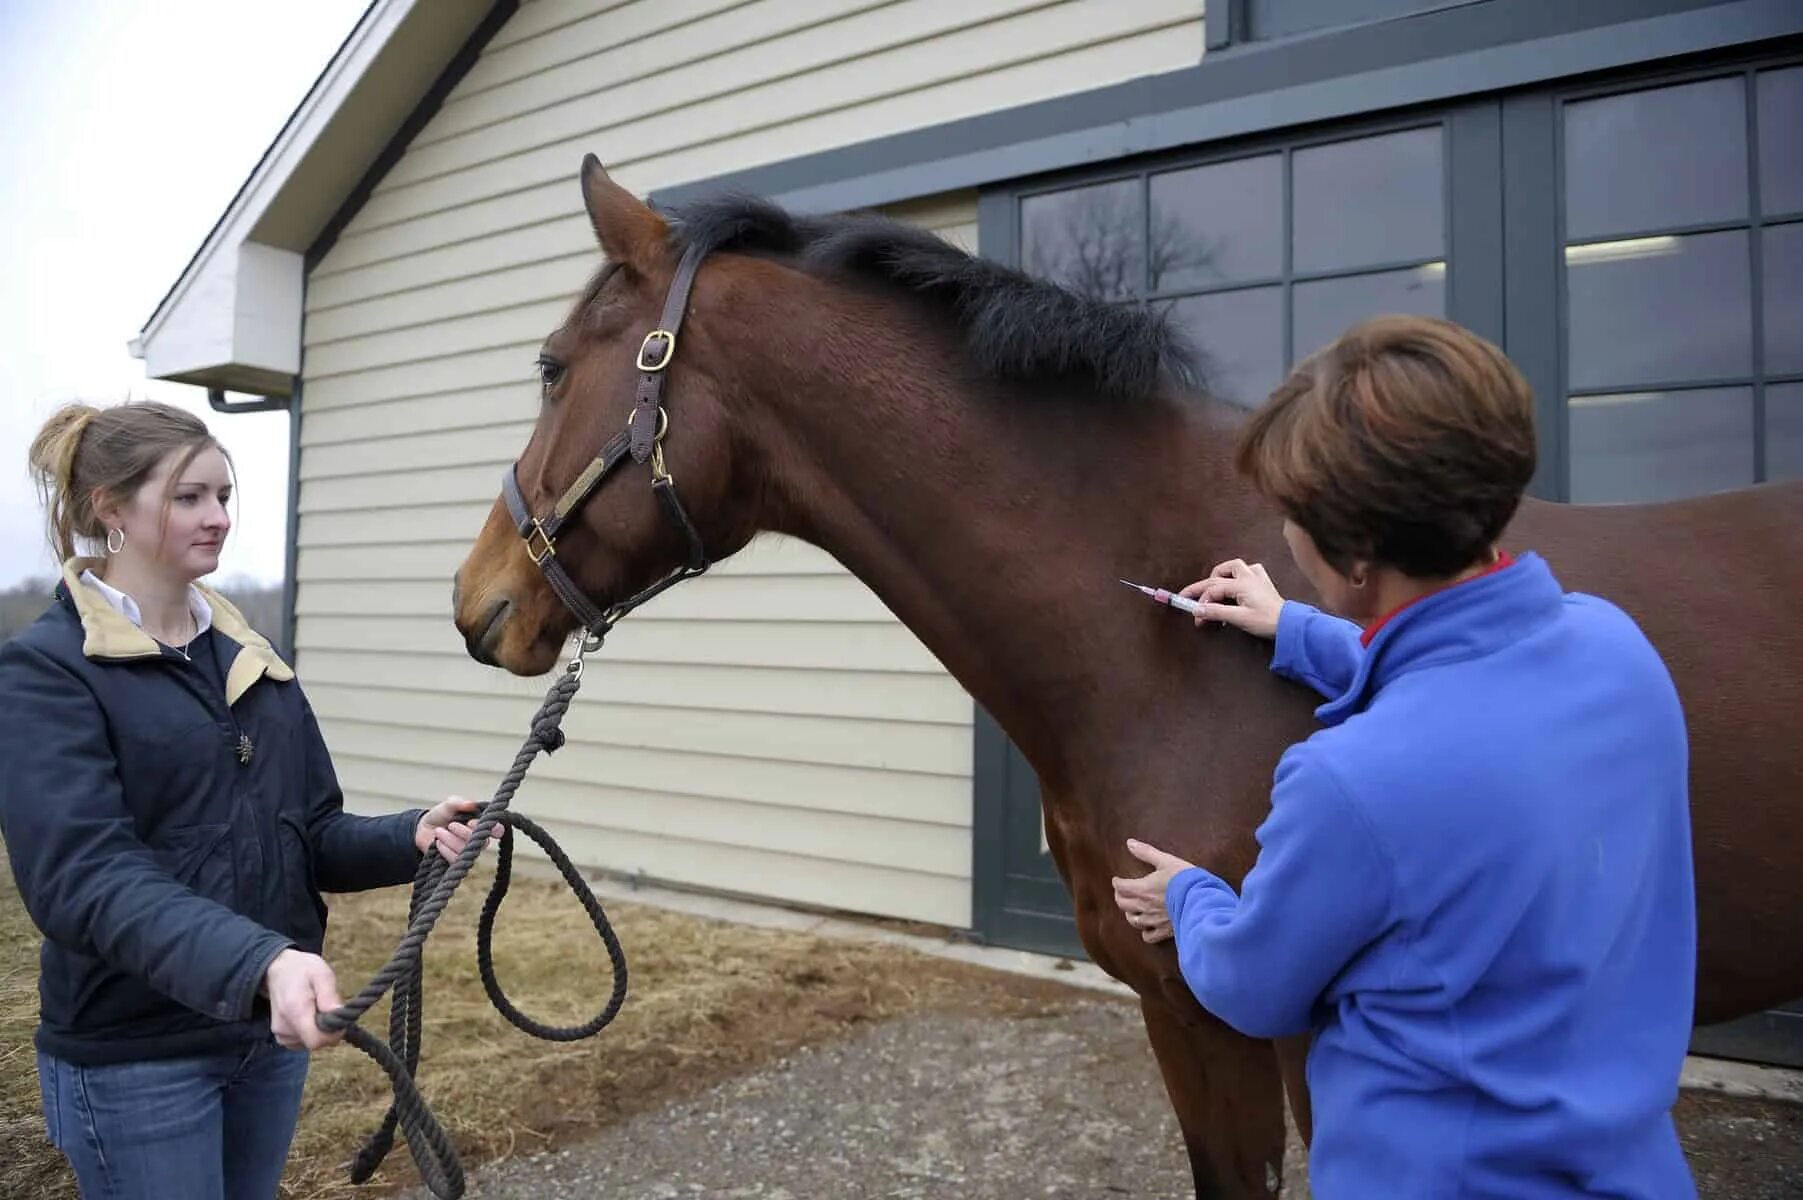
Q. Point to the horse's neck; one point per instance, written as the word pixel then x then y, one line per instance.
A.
pixel 996 525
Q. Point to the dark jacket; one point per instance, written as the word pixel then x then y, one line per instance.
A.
pixel 170 827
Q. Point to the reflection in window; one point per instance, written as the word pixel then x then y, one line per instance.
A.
pixel 1780 133
pixel 1091 239
pixel 1325 308
pixel 1369 201
pixel 1646 446
pixel 1781 251
pixel 1221 223
pixel 1658 309
pixel 1240 334
pixel 1206 244
pixel 1658 158
pixel 1784 431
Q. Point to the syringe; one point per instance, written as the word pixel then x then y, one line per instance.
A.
pixel 1171 598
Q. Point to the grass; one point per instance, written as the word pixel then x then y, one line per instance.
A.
pixel 707 1001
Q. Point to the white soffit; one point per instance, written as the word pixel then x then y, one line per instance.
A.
pixel 233 318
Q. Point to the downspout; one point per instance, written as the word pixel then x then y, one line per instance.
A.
pixel 291 554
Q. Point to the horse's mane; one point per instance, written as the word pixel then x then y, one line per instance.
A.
pixel 1015 327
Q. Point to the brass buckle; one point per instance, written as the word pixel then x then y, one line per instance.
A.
pixel 538 557
pixel 663 422
pixel 669 337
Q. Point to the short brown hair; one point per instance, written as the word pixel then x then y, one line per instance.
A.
pixel 85 456
pixel 1407 442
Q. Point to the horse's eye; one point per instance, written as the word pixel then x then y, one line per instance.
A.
pixel 549 372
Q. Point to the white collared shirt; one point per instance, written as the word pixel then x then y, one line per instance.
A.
pixel 128 608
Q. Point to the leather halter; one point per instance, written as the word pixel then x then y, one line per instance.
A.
pixel 642 440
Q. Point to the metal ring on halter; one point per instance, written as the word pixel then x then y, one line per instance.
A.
pixel 663 422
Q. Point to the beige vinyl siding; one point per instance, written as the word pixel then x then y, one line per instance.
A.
pixel 770 728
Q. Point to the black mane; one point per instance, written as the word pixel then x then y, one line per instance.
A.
pixel 1015 327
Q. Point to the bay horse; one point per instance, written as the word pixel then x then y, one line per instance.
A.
pixel 989 454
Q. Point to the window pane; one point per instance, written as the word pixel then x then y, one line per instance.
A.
pixel 1658 310
pixel 1780 133
pixel 1784 431
pixel 1241 337
pixel 1370 200
pixel 1668 156
pixel 1327 307
pixel 1781 248
pixel 1222 223
pixel 1091 239
pixel 1645 446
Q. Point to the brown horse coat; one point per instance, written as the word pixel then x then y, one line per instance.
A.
pixel 989 455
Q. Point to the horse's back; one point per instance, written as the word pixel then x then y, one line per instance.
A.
pixel 1714 582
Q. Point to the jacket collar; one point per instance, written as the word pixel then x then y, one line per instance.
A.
pixel 108 635
pixel 1469 620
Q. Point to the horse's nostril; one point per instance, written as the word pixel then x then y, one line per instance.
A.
pixel 482 633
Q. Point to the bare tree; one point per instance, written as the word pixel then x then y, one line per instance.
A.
pixel 1095 241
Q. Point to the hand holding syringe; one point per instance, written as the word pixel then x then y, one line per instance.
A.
pixel 1192 607
pixel 1235 593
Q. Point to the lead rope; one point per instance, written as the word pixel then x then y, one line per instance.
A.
pixel 433 885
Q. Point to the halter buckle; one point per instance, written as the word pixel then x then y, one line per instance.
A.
pixel 537 556
pixel 668 337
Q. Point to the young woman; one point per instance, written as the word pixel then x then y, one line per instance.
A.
pixel 1474 886
pixel 171 816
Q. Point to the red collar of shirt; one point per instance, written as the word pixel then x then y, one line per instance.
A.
pixel 1503 559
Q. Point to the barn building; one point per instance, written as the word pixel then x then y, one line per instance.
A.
pixel 1611 190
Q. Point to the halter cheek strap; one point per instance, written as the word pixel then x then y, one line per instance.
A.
pixel 642 441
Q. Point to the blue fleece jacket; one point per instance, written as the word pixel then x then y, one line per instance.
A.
pixel 1474 887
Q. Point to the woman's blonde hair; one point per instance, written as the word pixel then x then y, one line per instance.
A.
pixel 85 458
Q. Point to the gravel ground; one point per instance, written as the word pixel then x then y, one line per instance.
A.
pixel 1067 1104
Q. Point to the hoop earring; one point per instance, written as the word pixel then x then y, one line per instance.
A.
pixel 110 548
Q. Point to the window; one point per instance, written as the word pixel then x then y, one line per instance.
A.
pixel 1261 258
pixel 1682 228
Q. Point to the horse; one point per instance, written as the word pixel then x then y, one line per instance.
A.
pixel 990 453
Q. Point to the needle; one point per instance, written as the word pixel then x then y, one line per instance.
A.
pixel 1164 597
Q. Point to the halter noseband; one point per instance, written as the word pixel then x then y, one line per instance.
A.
pixel 642 440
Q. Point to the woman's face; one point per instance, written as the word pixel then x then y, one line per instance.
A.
pixel 1336 591
pixel 187 543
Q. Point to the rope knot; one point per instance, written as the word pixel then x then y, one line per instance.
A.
pixel 549 735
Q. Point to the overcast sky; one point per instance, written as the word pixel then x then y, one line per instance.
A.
pixel 126 126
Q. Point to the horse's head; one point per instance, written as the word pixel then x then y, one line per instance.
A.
pixel 620 537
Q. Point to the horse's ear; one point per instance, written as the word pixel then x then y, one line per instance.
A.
pixel 629 232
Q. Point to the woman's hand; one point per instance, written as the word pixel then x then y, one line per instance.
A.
pixel 440 827
pixel 1255 602
pixel 1141 900
pixel 301 985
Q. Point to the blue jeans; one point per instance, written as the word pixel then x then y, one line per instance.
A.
pixel 209 1127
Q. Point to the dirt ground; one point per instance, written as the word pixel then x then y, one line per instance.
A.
pixel 1064 1102
pixel 760 1063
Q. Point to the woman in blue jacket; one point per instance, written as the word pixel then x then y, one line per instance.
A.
pixel 171 815
pixel 1474 886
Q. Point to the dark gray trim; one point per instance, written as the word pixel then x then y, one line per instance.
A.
pixel 988 823
pixel 428 106
pixel 1474 219
pixel 1221 22
pixel 291 552
pixel 1756 271
pixel 1429 57
pixel 1530 196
